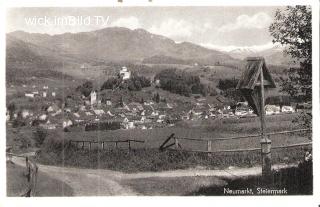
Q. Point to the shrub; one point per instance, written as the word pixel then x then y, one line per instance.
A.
pixel 39 136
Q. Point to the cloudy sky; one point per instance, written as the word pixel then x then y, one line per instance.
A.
pixel 215 27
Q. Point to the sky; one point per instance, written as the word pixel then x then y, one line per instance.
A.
pixel 223 28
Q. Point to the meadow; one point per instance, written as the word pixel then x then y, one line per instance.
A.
pixel 57 149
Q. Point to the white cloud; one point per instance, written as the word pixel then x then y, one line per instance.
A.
pixel 178 28
pixel 258 21
pixel 173 28
pixel 128 22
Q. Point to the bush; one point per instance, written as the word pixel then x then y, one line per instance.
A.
pixel 39 136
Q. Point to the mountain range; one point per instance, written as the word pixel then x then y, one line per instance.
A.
pixel 109 44
pixel 118 44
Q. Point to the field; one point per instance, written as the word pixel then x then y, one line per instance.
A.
pixel 57 150
pixel 216 128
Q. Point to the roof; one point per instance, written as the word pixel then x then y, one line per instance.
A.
pixel 251 74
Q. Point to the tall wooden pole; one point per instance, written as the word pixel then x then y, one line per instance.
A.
pixel 265 142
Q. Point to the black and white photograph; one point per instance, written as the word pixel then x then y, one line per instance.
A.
pixel 159 101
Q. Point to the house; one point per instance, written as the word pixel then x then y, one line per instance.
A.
pixel 287 109
pixel 30 95
pixel 66 123
pixel 272 109
pixel 88 113
pixel 124 73
pixel 98 112
pixel 155 113
pixel 240 112
pixel 108 102
pixel 48 126
pixel 53 94
pixel 44 94
pixel 134 107
pixel 84 66
pixel 43 117
pixel 57 112
pixel 25 113
pixel 128 125
pixel 109 113
pixel 157 82
pixel 67 110
pixel 93 97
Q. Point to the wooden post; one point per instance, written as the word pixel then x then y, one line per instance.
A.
pixel 265 142
pixel 89 145
pixel 102 144
pixel 176 142
pixel 129 145
pixel 209 148
pixel 82 145
pixel 116 144
pixel 209 143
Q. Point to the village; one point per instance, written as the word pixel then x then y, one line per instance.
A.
pixel 99 112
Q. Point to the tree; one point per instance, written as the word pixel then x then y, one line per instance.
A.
pixel 292 27
pixel 156 98
pixel 11 109
pixel 86 88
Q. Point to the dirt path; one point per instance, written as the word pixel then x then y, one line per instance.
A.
pixel 100 182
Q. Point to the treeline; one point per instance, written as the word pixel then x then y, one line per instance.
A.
pixel 182 83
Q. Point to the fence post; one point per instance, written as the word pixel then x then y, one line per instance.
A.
pixel 266 160
pixel 89 146
pixel 102 145
pixel 176 142
pixel 209 143
pixel 129 145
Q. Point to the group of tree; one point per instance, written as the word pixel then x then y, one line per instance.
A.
pixel 135 83
pixel 182 83
pixel 228 89
pixel 86 88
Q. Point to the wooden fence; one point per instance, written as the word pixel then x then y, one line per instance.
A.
pixel 103 144
pixel 31 173
pixel 167 145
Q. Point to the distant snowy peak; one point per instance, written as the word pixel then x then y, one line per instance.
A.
pixel 245 49
pixel 273 53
